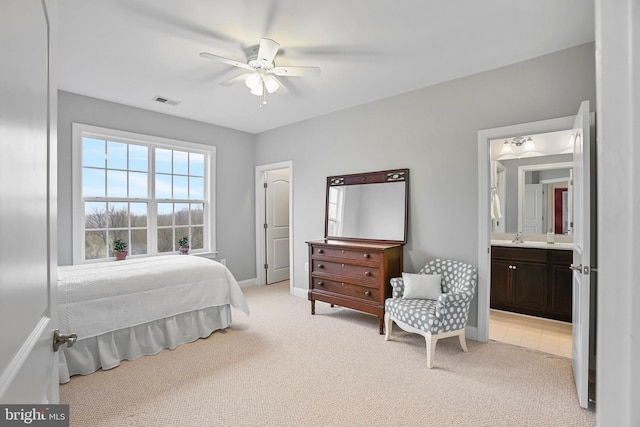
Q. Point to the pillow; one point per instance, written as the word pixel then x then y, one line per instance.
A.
pixel 421 286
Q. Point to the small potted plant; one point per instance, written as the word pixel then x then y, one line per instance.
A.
pixel 184 245
pixel 120 249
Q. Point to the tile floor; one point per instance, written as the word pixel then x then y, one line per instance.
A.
pixel 549 336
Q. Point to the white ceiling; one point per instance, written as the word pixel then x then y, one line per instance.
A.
pixel 129 51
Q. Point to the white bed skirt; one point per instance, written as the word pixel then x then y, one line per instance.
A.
pixel 107 350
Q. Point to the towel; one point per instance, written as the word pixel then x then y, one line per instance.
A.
pixel 495 204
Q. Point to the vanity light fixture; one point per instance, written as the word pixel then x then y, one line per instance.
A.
pixel 518 147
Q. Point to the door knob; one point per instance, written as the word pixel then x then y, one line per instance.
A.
pixel 59 339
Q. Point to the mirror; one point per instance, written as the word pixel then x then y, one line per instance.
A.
pixel 544 198
pixel 531 191
pixel 368 206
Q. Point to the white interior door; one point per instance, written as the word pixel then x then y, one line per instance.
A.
pixel 533 209
pixel 28 365
pixel 277 225
pixel 581 251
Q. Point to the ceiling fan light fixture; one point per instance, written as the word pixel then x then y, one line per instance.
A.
pixel 253 81
pixel 271 84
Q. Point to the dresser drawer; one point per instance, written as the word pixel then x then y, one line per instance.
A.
pixel 359 272
pixel 348 289
pixel 354 254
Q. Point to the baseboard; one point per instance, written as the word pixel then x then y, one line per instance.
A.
pixel 302 293
pixel 248 282
pixel 471 332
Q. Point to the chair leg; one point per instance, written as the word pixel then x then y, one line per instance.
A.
pixel 388 324
pixel 463 342
pixel 432 340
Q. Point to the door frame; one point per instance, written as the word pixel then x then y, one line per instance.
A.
pixel 259 202
pixel 484 195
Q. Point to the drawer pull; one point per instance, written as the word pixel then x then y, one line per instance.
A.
pixel 367 293
pixel 320 283
pixel 367 273
pixel 320 265
pixel 320 251
pixel 367 256
pixel 342 265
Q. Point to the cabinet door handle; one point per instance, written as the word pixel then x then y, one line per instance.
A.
pixel 367 293
pixel 367 273
pixel 515 267
pixel 576 267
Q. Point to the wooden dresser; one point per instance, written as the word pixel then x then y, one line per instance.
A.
pixel 353 274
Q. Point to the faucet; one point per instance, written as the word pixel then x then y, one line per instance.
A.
pixel 518 238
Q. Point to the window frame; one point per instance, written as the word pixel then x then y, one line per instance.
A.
pixel 79 131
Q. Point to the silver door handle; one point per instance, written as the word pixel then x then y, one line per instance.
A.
pixel 576 267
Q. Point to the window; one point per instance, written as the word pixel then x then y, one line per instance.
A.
pixel 147 191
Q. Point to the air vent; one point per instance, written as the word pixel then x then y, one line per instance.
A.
pixel 167 101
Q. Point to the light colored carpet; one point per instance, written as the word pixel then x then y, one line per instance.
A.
pixel 281 366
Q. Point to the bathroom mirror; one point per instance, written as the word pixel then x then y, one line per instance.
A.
pixel 545 198
pixel 369 206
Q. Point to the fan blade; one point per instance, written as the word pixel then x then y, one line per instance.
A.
pixel 235 80
pixel 296 71
pixel 268 50
pixel 228 61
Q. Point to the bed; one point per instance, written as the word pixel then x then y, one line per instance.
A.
pixel 126 309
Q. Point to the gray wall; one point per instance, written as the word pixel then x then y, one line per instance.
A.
pixel 433 132
pixel 235 211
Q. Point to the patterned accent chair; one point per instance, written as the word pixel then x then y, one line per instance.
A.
pixel 434 319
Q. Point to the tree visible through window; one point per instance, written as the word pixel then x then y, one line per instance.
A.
pixel 146 195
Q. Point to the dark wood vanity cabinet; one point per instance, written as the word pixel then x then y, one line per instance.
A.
pixel 353 274
pixel 531 281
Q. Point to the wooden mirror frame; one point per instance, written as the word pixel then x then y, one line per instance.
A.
pixel 380 177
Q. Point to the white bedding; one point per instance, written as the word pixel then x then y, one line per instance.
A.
pixel 98 298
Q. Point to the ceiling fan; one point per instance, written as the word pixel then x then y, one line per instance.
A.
pixel 262 74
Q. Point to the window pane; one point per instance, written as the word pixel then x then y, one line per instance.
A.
pixel 138 158
pixel 163 186
pixel 118 215
pixel 93 152
pixel 138 215
pixel 95 215
pixel 182 213
pixel 197 210
pixel 93 182
pixel 197 238
pixel 163 160
pixel 180 233
pixel 196 188
pixel 138 185
pixel 196 164
pixel 138 244
pixel 165 214
pixel 165 240
pixel 180 187
pixel 116 155
pixel 180 162
pixel 95 244
pixel 116 183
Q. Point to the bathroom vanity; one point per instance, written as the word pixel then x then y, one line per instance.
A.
pixel 532 279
